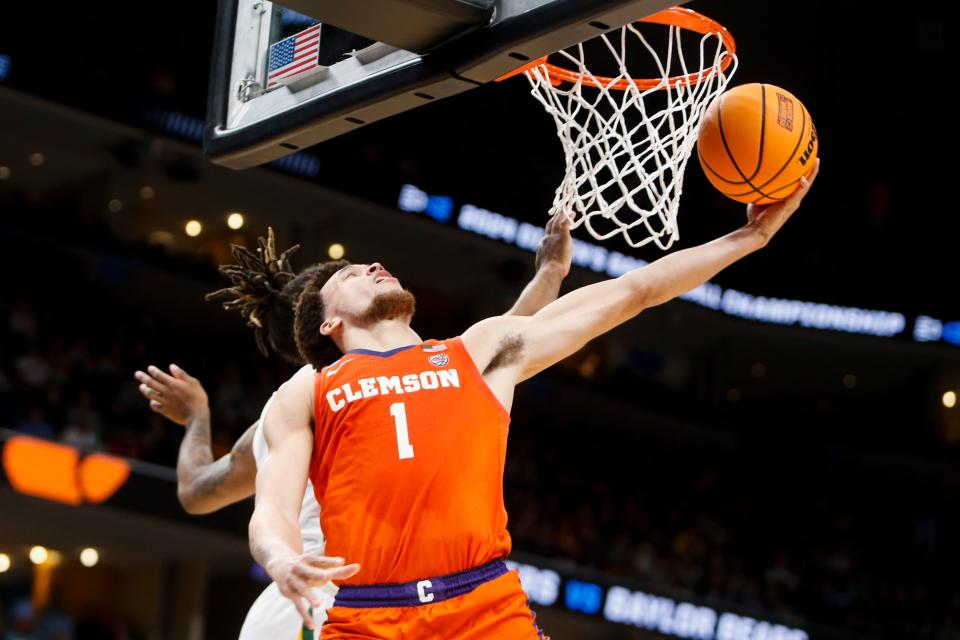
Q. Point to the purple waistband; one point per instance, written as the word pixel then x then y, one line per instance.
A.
pixel 418 592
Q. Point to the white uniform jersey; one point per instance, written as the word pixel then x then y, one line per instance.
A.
pixel 273 616
pixel 313 540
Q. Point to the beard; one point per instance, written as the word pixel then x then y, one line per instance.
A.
pixel 389 306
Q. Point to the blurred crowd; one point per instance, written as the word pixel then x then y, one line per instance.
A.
pixel 66 379
pixel 810 535
pixel 20 620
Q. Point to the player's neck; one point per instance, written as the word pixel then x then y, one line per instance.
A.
pixel 382 336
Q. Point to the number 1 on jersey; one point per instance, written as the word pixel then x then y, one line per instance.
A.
pixel 399 412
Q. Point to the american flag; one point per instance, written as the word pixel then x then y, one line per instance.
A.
pixel 294 58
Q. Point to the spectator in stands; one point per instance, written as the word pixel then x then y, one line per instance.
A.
pixel 22 621
pixel 36 425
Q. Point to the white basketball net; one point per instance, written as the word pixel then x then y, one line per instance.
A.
pixel 625 157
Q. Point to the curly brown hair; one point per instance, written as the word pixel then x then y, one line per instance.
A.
pixel 265 291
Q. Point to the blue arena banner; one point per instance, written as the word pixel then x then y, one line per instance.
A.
pixel 771 310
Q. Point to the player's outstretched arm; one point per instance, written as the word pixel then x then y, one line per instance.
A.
pixel 281 482
pixel 204 485
pixel 509 349
pixel 552 264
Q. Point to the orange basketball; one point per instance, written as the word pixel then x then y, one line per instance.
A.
pixel 756 141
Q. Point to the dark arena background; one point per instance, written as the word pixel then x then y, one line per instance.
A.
pixel 773 457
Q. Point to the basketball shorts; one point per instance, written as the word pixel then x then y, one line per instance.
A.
pixel 274 617
pixel 478 604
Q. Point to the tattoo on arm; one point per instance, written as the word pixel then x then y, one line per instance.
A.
pixel 509 352
pixel 213 477
pixel 195 449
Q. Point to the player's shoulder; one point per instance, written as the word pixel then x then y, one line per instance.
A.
pixel 306 371
pixel 483 339
pixel 297 385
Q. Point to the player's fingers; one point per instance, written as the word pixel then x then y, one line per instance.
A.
pixel 298 603
pixel 807 181
pixel 311 597
pixel 303 589
pixel 160 375
pixel 179 373
pixel 149 392
pixel 551 224
pixel 152 381
pixel 344 572
pixel 146 379
pixel 322 570
pixel 313 576
pixel 323 562
pixel 306 572
pixel 793 200
pixel 156 406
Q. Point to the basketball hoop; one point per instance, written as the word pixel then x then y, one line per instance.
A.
pixel 627 141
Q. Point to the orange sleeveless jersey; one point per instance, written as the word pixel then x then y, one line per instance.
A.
pixel 409 448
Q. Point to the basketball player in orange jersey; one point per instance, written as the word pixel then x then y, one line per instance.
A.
pixel 404 442
pixel 205 484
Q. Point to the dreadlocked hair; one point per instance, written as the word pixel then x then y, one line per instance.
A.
pixel 315 348
pixel 265 290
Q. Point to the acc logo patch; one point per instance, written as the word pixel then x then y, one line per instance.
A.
pixel 439 360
